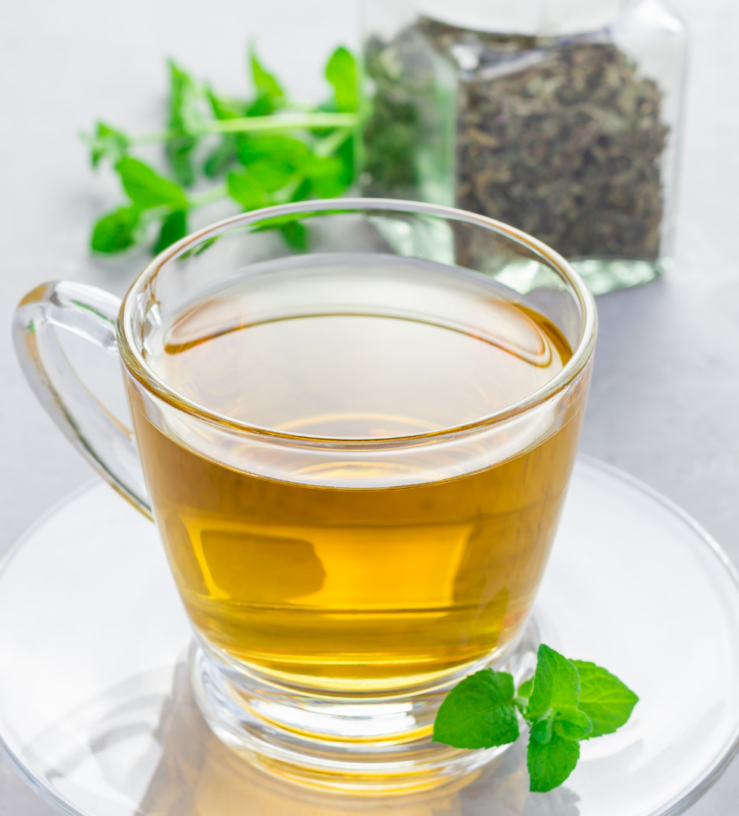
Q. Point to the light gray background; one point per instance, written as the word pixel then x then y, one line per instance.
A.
pixel 664 400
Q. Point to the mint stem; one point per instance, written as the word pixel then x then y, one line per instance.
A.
pixel 331 143
pixel 259 124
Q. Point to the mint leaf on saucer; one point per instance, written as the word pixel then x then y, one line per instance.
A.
pixel 604 698
pixel 565 702
pixel 572 723
pixel 551 763
pixel 542 730
pixel 522 695
pixel 556 684
pixel 479 712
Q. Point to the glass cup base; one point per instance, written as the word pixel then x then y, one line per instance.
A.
pixel 369 744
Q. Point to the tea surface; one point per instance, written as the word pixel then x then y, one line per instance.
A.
pixel 371 587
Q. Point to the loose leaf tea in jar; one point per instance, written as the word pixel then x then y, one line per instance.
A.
pixel 559 117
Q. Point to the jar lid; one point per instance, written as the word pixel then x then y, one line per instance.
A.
pixel 544 18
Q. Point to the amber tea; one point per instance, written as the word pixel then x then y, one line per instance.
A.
pixel 356 576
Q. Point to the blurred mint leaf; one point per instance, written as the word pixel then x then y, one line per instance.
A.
pixel 148 189
pixel 185 122
pixel 345 154
pixel 302 191
pixel 243 188
pixel 173 228
pixel 283 149
pixel 266 84
pixel 223 108
pixel 478 712
pixel 341 72
pixel 263 106
pixel 270 96
pixel 226 153
pixel 604 698
pixel 106 143
pixel 221 157
pixel 114 231
pixel 551 763
pixel 295 235
pixel 326 175
pixel 270 175
pixel 198 250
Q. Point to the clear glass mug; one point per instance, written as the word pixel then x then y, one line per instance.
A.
pixel 342 565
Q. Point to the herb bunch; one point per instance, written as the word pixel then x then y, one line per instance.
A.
pixel 564 703
pixel 258 152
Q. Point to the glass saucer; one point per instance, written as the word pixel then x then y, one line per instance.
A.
pixel 96 710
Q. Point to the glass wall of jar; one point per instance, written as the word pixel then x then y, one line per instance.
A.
pixel 559 117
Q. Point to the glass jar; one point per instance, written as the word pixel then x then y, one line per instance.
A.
pixel 559 117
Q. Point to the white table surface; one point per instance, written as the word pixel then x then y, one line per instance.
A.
pixel 664 404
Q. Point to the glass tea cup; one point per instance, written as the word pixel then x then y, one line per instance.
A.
pixel 356 456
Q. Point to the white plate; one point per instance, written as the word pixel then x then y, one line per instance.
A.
pixel 95 708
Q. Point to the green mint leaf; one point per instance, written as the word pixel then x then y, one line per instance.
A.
pixel 114 231
pixel 479 712
pixel 302 191
pixel 276 148
pixel 326 176
pixel 525 689
pixel 199 249
pixel 265 83
pixel 243 188
pixel 604 698
pixel 185 101
pixel 571 723
pixel 107 142
pixel 551 763
pixel 185 122
pixel 263 105
pixel 179 157
pixel 225 154
pixel 341 72
pixel 221 157
pixel 295 235
pixel 207 244
pixel 345 154
pixel 173 228
pixel 223 108
pixel 270 175
pixel 542 730
pixel 148 189
pixel 556 684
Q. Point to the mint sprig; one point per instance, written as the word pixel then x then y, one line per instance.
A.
pixel 564 703
pixel 258 151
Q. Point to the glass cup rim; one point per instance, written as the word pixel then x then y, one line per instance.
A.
pixel 138 368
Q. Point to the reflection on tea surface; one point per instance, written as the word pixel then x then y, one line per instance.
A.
pixel 374 586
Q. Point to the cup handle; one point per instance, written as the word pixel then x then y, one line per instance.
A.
pixel 90 313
